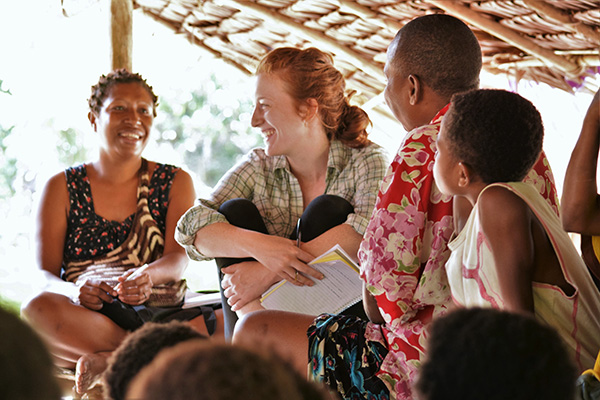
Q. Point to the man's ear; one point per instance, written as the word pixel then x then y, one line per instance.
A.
pixel 465 175
pixel 92 118
pixel 416 89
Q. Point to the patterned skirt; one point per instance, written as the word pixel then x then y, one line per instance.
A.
pixel 341 357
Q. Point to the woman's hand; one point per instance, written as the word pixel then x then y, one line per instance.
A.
pixel 93 294
pixel 245 282
pixel 134 287
pixel 285 259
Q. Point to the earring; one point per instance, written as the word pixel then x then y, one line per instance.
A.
pixel 304 123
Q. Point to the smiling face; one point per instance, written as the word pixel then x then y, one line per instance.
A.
pixel 125 120
pixel 277 116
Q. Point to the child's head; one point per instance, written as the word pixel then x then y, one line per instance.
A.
pixel 494 134
pixel 490 354
pixel 139 349
pixel 220 371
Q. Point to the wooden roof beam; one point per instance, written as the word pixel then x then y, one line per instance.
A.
pixel 291 26
pixel 353 7
pixel 506 34
pixel 587 60
pixel 548 10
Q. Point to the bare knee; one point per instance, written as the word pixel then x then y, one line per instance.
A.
pixel 251 326
pixel 35 305
pixel 42 306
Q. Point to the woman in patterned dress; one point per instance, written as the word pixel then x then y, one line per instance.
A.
pixel 105 234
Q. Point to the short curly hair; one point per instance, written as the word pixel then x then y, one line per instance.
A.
pixel 441 50
pixel 101 90
pixel 498 134
pixel 139 349
pixel 484 353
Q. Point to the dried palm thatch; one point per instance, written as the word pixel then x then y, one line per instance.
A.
pixel 555 42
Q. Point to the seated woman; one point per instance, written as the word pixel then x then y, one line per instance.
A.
pixel 580 201
pixel 106 228
pixel 318 167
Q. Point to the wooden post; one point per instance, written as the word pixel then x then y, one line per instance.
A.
pixel 121 33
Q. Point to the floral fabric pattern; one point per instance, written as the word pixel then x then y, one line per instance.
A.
pixel 343 361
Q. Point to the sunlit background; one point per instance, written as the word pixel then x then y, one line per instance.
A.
pixel 49 61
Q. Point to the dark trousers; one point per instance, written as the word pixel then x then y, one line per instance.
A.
pixel 322 214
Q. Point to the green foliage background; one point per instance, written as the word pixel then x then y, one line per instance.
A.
pixel 8 165
pixel 211 133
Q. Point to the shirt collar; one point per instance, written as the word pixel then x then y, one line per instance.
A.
pixel 438 117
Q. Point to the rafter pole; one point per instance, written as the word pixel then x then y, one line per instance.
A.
pixel 548 10
pixel 121 33
pixel 509 36
pixel 585 60
pixel 323 40
pixel 366 13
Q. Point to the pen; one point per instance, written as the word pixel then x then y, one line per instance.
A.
pixel 298 234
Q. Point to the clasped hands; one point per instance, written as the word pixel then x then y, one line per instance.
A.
pixel 281 259
pixel 134 288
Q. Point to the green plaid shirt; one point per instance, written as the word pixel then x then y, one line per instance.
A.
pixel 353 174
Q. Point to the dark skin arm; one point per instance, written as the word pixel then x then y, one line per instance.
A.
pixel 507 224
pixel 580 207
pixel 50 238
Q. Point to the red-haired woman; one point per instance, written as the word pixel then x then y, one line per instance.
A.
pixel 318 165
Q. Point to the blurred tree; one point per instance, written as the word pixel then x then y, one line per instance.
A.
pixel 209 127
pixel 8 165
pixel 70 147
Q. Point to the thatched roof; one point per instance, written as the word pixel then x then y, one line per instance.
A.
pixel 555 42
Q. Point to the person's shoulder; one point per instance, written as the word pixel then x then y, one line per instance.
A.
pixel 58 178
pixel 501 202
pixel 372 151
pixel 370 148
pixel 56 186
